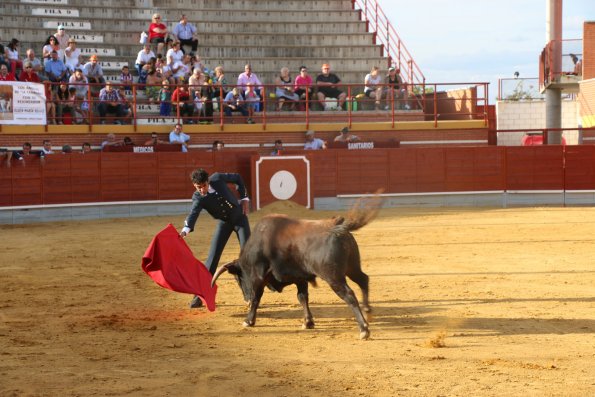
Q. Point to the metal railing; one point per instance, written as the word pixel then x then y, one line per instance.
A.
pixel 560 58
pixel 440 102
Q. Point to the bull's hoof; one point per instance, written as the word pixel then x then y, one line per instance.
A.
pixel 363 335
pixel 308 325
pixel 248 324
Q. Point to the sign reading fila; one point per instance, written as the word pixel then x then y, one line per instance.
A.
pixel 87 38
pixel 108 52
pixel 49 2
pixel 68 25
pixel 66 12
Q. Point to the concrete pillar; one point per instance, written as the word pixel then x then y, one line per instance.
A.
pixel 553 101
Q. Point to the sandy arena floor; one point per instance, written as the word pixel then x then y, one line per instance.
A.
pixel 467 302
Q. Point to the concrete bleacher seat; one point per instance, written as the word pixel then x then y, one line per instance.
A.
pixel 231 32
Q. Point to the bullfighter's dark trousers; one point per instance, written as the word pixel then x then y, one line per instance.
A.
pixel 222 232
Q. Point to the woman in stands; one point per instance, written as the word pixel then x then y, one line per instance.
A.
pixel 11 53
pixel 28 74
pixel 157 33
pixel 284 90
pixel 373 86
pixel 220 87
pixel 62 102
pixel 51 44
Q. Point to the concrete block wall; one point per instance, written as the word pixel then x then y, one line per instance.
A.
pixel 516 115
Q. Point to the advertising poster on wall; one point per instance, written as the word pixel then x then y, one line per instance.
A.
pixel 22 103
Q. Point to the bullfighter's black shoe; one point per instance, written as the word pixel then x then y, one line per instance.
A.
pixel 195 303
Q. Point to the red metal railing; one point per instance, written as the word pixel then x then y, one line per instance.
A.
pixel 440 102
pixel 560 58
pixel 386 35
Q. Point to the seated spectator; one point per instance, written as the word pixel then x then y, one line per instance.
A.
pixel 165 99
pixel 86 148
pixel 93 71
pixel 28 74
pixel 373 86
pixel 50 106
pixel 144 57
pixel 80 83
pixel 217 146
pixel 195 81
pixel 220 84
pixel 153 86
pixel 66 149
pixel 11 55
pixel 313 143
pixel 578 65
pixel 111 141
pixel 55 69
pixel 303 86
pixel 345 136
pixel 155 140
pixel 327 84
pixel 62 103
pixel 110 102
pixel 127 106
pixel 126 79
pixel 249 77
pixel 21 155
pixel 284 91
pixel 186 33
pixel 175 53
pixel 234 102
pixel 35 63
pixel 51 44
pixel 278 148
pixel 252 100
pixel 177 136
pixel 62 37
pixel 395 90
pixel 184 104
pixel 157 33
pixel 47 148
pixel 183 70
pixel 128 141
pixel 5 75
pixel 72 55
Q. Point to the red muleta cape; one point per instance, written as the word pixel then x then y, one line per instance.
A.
pixel 171 264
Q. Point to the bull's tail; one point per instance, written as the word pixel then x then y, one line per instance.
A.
pixel 363 211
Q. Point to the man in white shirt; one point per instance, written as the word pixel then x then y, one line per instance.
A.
pixel 143 57
pixel 177 136
pixel 186 33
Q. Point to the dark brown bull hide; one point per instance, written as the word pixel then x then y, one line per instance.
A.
pixel 283 251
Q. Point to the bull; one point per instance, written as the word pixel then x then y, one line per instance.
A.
pixel 282 251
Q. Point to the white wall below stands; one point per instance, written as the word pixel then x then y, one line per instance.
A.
pixel 517 115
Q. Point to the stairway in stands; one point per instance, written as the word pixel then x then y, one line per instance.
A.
pixel 269 34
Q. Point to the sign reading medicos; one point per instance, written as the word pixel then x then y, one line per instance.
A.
pixel 22 103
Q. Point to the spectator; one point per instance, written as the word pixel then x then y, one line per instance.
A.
pixel 79 108
pixel 80 83
pixel 345 136
pixel 303 86
pixel 175 53
pixel 278 148
pixel 28 74
pixel 126 79
pixel 11 55
pixel 234 102
pixel 55 69
pixel 128 141
pixel 144 57
pixel 153 86
pixel 110 102
pixel 327 83
pixel 252 101
pixel 26 151
pixel 5 75
pixel 157 33
pixel 217 146
pixel 395 89
pixel 50 106
pixel 183 70
pixel 126 106
pixel 284 90
pixel 249 77
pixel 72 56
pixel 186 33
pixel 155 140
pixel 220 83
pixel 177 136
pixel 62 37
pixel 93 71
pixel 62 104
pixel 373 86
pixel 35 62
pixel 2 60
pixel 195 81
pixel 165 99
pixel 184 104
pixel 47 148
pixel 51 44
pixel 313 143
pixel 86 148
pixel 111 141
pixel 66 149
pixel 578 65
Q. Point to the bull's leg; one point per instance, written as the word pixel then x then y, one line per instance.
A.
pixel 362 279
pixel 254 302
pixel 302 296
pixel 347 294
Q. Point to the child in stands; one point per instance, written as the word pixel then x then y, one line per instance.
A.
pixel 126 78
pixel 165 99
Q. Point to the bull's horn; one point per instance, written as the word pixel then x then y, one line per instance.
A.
pixel 220 271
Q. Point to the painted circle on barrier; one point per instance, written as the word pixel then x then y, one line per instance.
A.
pixel 283 185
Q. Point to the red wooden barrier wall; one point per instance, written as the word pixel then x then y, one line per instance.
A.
pixel 97 177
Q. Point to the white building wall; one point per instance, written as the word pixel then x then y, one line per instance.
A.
pixel 518 115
